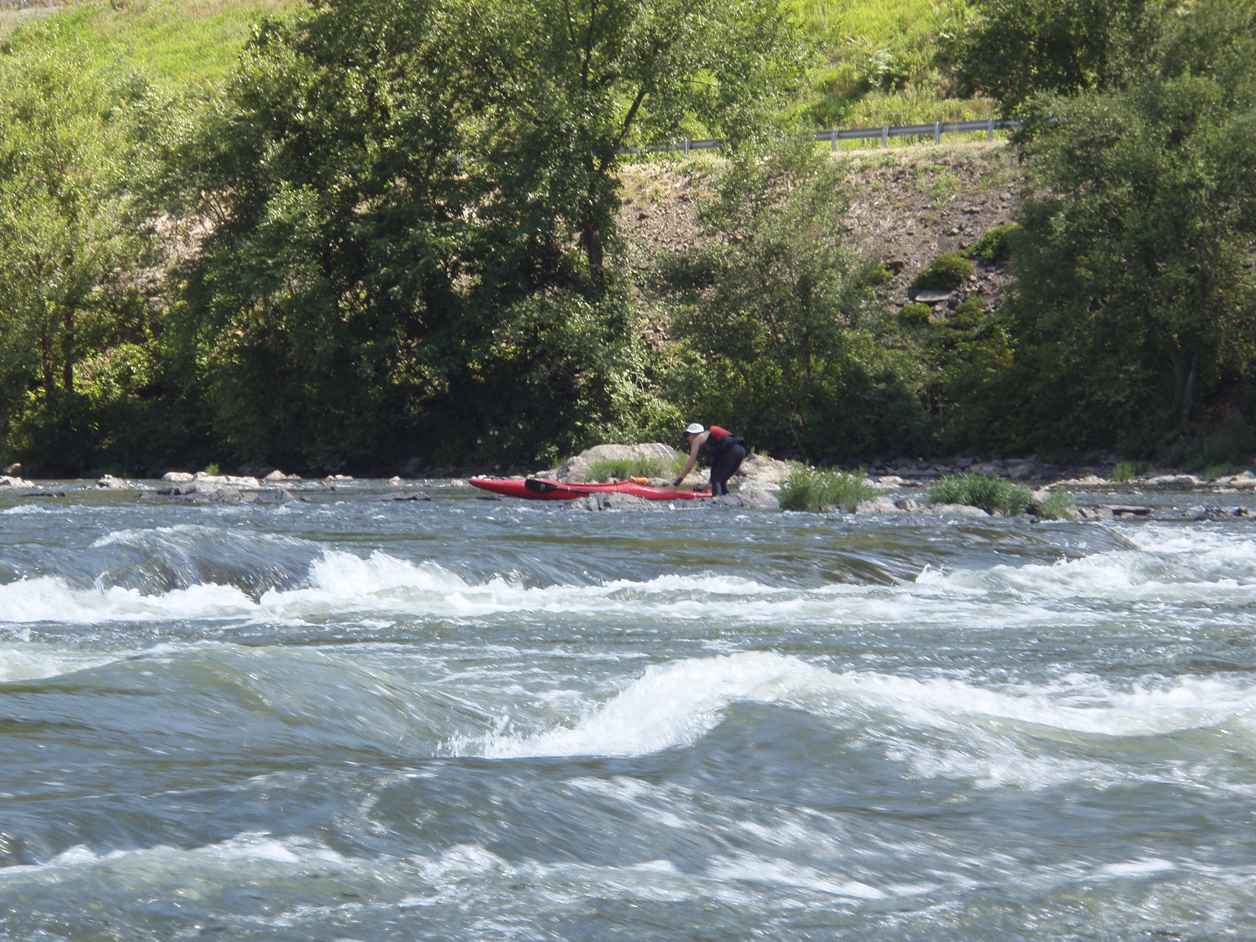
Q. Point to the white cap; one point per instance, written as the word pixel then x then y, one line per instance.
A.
pixel 694 428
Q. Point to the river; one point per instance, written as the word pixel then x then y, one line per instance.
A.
pixel 346 717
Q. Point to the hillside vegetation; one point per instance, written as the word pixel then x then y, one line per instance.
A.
pixel 179 43
pixel 368 234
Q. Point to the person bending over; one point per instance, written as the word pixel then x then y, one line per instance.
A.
pixel 724 451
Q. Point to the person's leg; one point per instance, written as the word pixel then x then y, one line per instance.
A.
pixel 724 468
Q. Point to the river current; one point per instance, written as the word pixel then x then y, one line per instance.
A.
pixel 347 717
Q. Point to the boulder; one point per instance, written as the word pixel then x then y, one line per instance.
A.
pixel 757 495
pixel 577 468
pixel 1243 482
pixel 611 501
pixel 277 475
pixel 109 482
pixel 211 492
pixel 227 480
pixel 957 510
pixel 10 481
pixel 764 470
pixel 889 482
pixel 1089 480
pixel 178 477
pixel 878 505
pixel 1173 480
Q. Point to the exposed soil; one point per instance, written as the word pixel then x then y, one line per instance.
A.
pixel 908 205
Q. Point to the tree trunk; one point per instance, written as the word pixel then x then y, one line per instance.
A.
pixel 67 351
pixel 591 241
pixel 1188 389
pixel 1185 376
pixel 49 369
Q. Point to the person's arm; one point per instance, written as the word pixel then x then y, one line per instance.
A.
pixel 693 457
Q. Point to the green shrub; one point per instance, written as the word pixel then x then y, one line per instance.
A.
pixel 991 494
pixel 1221 470
pixel 1126 471
pixel 1058 506
pixel 914 315
pixel 876 274
pixel 624 468
pixel 967 315
pixel 945 273
pixel 994 247
pixel 817 491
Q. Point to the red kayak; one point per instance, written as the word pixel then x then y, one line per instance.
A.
pixel 541 489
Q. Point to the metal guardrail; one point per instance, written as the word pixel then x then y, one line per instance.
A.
pixel 883 134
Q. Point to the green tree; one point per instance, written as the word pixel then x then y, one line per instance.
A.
pixel 1135 300
pixel 1018 48
pixel 781 340
pixel 393 189
pixel 67 240
pixel 330 179
pixel 572 83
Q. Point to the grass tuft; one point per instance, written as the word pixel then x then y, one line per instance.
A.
pixel 623 468
pixel 1126 471
pixel 991 494
pixel 817 491
pixel 1058 506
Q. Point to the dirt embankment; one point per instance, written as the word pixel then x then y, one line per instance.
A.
pixel 908 206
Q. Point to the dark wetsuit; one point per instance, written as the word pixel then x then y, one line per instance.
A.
pixel 726 452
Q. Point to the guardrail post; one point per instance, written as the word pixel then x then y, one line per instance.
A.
pixel 990 129
pixel 686 147
pixel 833 140
pixel 937 132
pixel 885 136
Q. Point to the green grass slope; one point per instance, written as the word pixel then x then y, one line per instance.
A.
pixel 879 61
pixel 173 43
pixel 884 62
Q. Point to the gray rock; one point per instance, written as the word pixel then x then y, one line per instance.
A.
pixel 957 510
pixel 178 477
pixel 611 501
pixel 109 482
pixel 208 492
pixel 227 480
pixel 758 495
pixel 1173 480
pixel 878 505
pixel 764 470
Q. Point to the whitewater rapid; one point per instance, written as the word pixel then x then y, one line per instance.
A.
pixel 466 719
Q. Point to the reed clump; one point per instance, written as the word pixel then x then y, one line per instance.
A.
pixel 620 469
pixel 809 489
pixel 991 494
